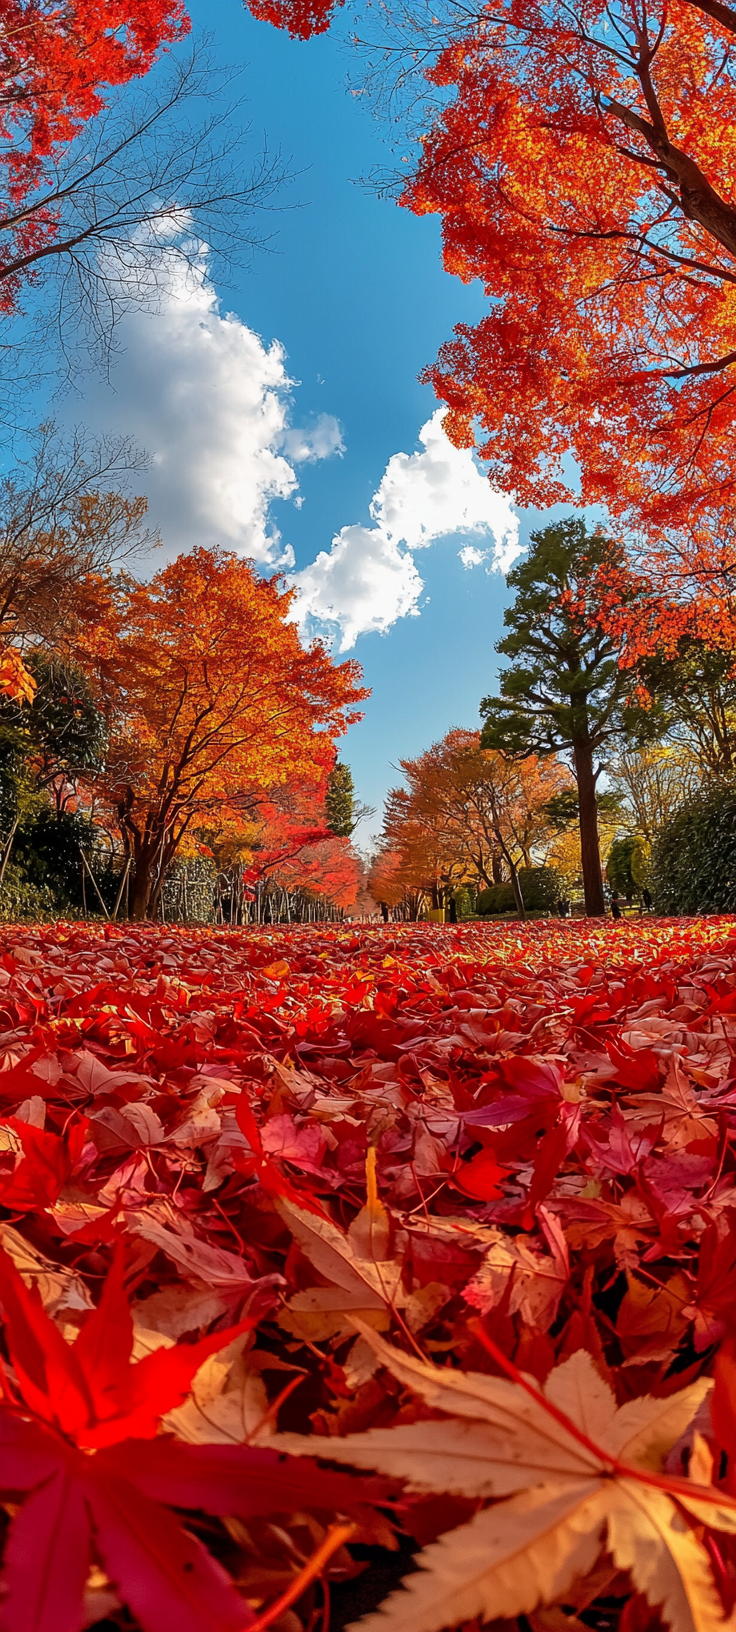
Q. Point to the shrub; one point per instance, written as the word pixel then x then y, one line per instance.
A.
pixel 24 902
pixel 628 864
pixel 694 854
pixel 499 898
pixel 540 889
pixel 47 852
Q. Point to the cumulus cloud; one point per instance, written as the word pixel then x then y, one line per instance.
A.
pixel 364 584
pixel 366 580
pixel 429 495
pixel 211 404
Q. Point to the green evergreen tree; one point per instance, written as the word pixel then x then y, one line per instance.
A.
pixel 342 817
pixel 562 690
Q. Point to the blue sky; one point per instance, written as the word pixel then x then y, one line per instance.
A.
pixel 348 303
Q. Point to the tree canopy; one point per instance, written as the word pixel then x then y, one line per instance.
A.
pixel 212 702
pixel 57 64
pixel 465 815
pixel 581 161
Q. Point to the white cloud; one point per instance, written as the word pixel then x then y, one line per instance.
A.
pixel 429 495
pixel 366 581
pixel 318 441
pixel 471 556
pixel 364 584
pixel 210 402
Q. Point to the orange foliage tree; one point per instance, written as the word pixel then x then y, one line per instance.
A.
pixel 212 703
pixel 16 681
pixel 468 814
pixel 392 883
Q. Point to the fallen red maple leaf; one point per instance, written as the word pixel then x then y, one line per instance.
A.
pixel 47 1162
pixel 77 1427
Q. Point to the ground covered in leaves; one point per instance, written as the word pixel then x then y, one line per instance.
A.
pixel 250 1179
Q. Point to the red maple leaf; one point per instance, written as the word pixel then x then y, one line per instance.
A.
pixel 47 1162
pixel 79 1438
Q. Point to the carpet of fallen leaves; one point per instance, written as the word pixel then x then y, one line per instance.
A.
pixel 249 1179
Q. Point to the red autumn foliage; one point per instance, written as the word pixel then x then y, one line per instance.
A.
pixel 294 849
pixel 578 159
pixel 219 1147
pixel 301 18
pixel 56 60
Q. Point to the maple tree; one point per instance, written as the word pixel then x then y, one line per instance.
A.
pixel 58 61
pixel 65 520
pixel 211 702
pixel 60 56
pixel 415 829
pixel 97 189
pixel 285 848
pixel 248 846
pixel 576 157
pixel 328 867
pixel 468 814
pixel 390 883
pixel 578 176
pixel 16 680
pixel 302 18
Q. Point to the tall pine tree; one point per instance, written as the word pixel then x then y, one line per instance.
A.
pixel 342 816
pixel 562 691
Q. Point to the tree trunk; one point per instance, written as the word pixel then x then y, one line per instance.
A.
pixel 595 905
pixel 516 887
pixel 508 858
pixel 140 891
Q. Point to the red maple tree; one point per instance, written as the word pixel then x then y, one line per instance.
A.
pixel 57 62
pixel 581 161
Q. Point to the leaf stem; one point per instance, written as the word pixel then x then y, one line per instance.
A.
pixel 336 1536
